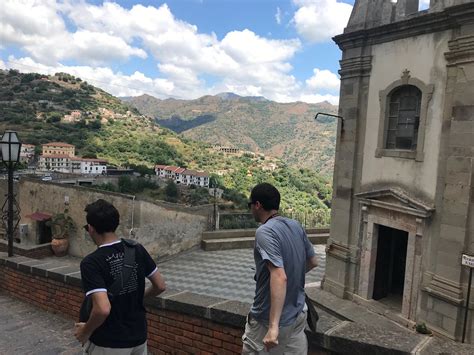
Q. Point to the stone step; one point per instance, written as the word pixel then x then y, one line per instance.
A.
pixel 228 233
pixel 248 242
pixel 244 233
pixel 227 243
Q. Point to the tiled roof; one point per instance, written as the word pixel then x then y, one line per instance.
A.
pixel 196 173
pixel 57 144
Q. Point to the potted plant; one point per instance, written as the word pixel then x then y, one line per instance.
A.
pixel 61 227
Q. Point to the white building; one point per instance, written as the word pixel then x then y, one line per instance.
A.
pixel 93 166
pixel 64 161
pixel 182 176
pixel 55 162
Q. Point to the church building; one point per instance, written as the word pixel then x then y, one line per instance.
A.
pixel 403 201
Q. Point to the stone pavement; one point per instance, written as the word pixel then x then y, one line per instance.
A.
pixel 226 273
pixel 26 329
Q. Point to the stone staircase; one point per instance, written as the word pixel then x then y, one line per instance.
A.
pixel 244 238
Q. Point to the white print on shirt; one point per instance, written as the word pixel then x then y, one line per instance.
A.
pixel 116 262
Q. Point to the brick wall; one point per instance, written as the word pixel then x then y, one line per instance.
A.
pixel 175 333
pixel 51 295
pixel 169 332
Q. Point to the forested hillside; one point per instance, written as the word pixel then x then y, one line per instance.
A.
pixel 64 108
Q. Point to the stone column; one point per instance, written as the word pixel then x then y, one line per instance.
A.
pixel 448 284
pixel 343 244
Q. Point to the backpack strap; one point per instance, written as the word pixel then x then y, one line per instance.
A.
pixel 127 268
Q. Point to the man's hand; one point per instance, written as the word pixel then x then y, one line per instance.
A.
pixel 271 338
pixel 80 333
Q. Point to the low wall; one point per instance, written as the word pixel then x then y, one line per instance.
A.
pixel 163 228
pixel 181 322
pixel 176 320
pixel 35 251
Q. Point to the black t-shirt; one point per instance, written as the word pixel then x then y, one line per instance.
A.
pixel 125 327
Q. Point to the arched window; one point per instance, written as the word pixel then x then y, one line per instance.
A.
pixel 403 118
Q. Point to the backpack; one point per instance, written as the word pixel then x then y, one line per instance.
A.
pixel 119 282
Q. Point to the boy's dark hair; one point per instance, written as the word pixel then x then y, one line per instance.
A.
pixel 267 195
pixel 103 216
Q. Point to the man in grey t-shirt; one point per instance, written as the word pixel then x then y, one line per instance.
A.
pixel 283 254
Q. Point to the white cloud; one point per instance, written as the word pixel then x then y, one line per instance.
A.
pixel 278 16
pixel 319 20
pixel 245 62
pixel 39 27
pixel 97 36
pixel 323 79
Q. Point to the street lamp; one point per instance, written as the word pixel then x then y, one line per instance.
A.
pixel 10 147
pixel 331 115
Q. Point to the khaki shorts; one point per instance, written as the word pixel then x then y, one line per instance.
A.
pixel 291 339
pixel 92 349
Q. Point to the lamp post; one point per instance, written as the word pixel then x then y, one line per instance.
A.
pixel 331 115
pixel 10 147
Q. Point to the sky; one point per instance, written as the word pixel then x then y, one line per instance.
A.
pixel 185 49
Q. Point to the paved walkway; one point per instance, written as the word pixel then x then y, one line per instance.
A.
pixel 26 329
pixel 225 273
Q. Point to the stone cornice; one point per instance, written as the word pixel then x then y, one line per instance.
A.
pixel 407 204
pixel 354 67
pixel 461 50
pixel 415 25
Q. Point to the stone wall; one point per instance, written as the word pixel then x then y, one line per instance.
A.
pixel 163 228
pixel 33 251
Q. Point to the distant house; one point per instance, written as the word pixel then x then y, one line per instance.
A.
pixel 227 150
pixel 58 148
pixel 58 156
pixel 182 176
pixel 55 162
pixel 88 166
pixel 27 153
pixel 73 116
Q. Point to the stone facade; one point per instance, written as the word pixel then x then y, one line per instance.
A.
pixel 425 194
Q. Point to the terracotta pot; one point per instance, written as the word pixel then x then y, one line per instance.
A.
pixel 59 246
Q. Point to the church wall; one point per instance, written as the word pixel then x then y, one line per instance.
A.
pixel 423 56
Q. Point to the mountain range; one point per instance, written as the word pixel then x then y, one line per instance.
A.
pixel 283 130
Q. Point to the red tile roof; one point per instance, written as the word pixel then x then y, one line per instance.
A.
pixel 39 216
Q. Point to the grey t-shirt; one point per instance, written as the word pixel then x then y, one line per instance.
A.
pixel 283 242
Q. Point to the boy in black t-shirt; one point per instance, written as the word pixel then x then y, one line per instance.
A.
pixel 116 325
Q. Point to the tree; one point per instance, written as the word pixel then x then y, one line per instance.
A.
pixel 171 191
pixel 125 184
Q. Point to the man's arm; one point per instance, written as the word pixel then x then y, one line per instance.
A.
pixel 277 299
pixel 99 313
pixel 311 263
pixel 157 285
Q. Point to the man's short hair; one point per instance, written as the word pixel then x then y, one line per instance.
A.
pixel 267 195
pixel 103 216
